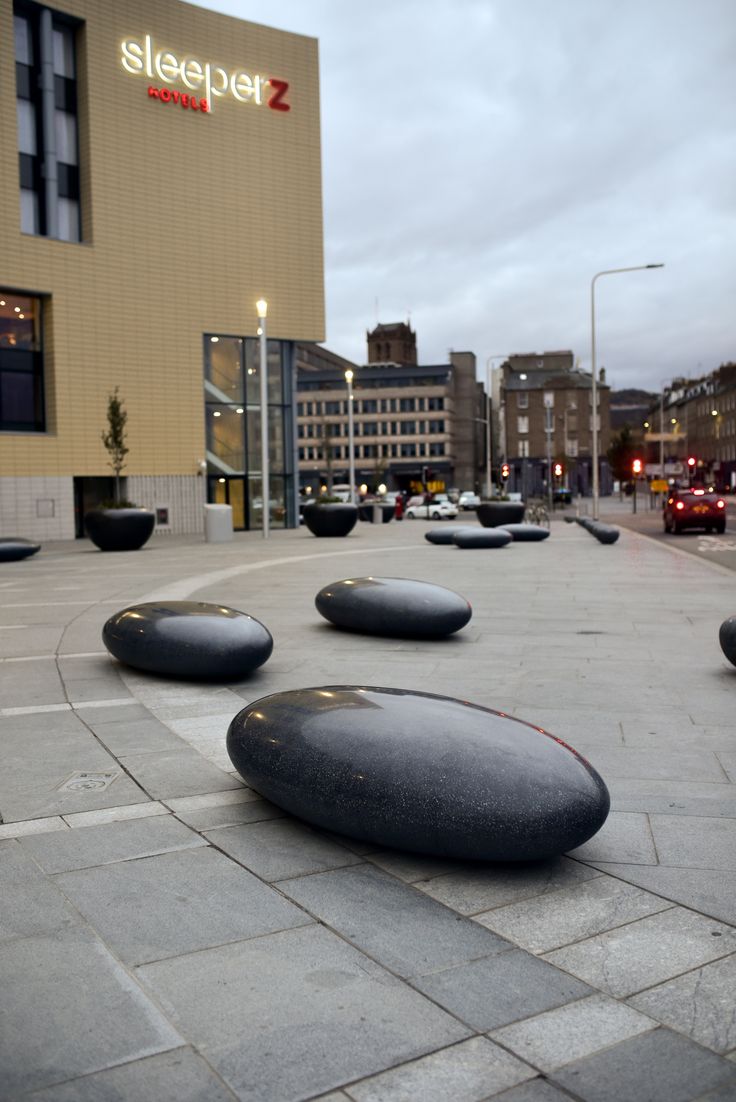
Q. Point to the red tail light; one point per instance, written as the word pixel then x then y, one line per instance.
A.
pixel 720 504
pixel 680 505
pixel 670 500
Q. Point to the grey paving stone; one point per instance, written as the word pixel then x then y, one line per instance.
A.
pixel 535 1090
pixel 177 1076
pixel 176 903
pixel 101 688
pixel 392 922
pixel 281 848
pixel 470 890
pixel 69 1009
pixel 225 815
pixel 118 713
pixel 136 736
pixel 36 761
pixel 571 1032
pixel 646 952
pixel 85 847
pixel 728 761
pixel 693 842
pixel 699 1004
pixel 673 797
pixel 625 836
pixel 659 1066
pixel 413 867
pixel 704 890
pixel 676 765
pixel 497 990
pixel 181 772
pixel 29 902
pixel 468 1072
pixel 287 1016
pixel 560 918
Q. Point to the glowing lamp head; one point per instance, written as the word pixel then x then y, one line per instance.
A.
pixel 349 376
pixel 262 308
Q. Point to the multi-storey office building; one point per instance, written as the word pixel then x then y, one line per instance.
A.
pixel 413 424
pixel 153 198
pixel 546 417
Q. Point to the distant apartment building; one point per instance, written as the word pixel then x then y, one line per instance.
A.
pixel 546 417
pixel 414 425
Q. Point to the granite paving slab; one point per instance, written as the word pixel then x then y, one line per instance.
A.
pixel 623 837
pixel 390 921
pixel 286 1016
pixel 69 1009
pixel 470 1071
pixel 472 889
pixel 225 815
pixel 701 843
pixel 126 735
pixel 570 1032
pixel 194 899
pixel 705 890
pixel 180 772
pixel 281 848
pixel 659 1066
pixel 496 990
pixel 86 847
pixel 646 952
pixel 29 902
pixel 701 1004
pixel 673 797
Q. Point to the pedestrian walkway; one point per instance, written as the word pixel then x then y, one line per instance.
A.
pixel 166 933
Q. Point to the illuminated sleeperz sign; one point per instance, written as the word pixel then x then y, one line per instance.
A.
pixel 204 82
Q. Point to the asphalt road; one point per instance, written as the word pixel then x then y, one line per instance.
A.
pixel 717 548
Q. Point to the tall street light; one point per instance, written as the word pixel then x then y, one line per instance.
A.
pixel 351 435
pixel 594 389
pixel 262 311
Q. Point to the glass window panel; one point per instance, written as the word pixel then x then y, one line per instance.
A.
pixel 19 322
pixel 17 398
pixel 68 214
pixel 277 499
pixel 255 502
pixel 275 378
pixel 23 40
pixel 224 368
pixel 26 127
pixel 66 137
pixel 275 439
pixel 225 445
pixel 28 211
pixel 63 52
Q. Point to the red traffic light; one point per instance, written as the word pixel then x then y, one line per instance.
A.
pixel 558 470
pixel 505 470
pixel 691 461
pixel 636 466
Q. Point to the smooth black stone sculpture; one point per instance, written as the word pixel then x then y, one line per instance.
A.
pixel 445 535
pixel 604 533
pixel 189 639
pixel 418 772
pixel 493 514
pixel 331 519
pixel 13 548
pixel 526 533
pixel 727 638
pixel 393 606
pixel 481 537
pixel 119 529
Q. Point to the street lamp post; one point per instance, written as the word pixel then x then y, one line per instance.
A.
pixel 594 381
pixel 262 310
pixel 489 424
pixel 351 434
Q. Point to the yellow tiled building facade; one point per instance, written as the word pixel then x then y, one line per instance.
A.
pixel 168 176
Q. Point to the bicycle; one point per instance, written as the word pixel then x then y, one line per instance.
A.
pixel 536 513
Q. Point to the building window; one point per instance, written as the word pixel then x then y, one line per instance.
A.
pixel 435 403
pixel 522 400
pixel 549 399
pixel 370 451
pixel 21 364
pixel 522 425
pixel 436 426
pixel 406 405
pixel 408 428
pixel 46 108
pixel 436 449
pixel 408 451
pixel 523 449
pixel 333 408
pixel 369 405
pixel 571 448
pixel 368 428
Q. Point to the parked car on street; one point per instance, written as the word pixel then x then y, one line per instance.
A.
pixel 431 510
pixel 694 508
pixel 468 500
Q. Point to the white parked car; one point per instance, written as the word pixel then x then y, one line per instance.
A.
pixel 468 500
pixel 434 510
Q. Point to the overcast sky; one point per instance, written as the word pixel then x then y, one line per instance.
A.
pixel 483 159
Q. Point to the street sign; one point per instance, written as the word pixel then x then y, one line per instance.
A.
pixel 659 486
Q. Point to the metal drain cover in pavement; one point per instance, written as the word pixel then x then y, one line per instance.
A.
pixel 79 781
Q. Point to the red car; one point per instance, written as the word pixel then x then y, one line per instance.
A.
pixel 694 508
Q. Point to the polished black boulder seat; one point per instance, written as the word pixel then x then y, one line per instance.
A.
pixel 445 535
pixel 188 639
pixel 393 606
pixel 492 514
pixel 119 529
pixel 727 638
pixel 481 537
pixel 526 533
pixel 418 772
pixel 604 533
pixel 13 548
pixel 336 518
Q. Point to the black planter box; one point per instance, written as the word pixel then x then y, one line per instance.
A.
pixel 335 519
pixel 119 529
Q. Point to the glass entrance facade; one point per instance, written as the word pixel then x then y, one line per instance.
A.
pixel 232 384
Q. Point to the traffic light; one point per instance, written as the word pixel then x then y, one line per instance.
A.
pixel 558 470
pixel 691 461
pixel 636 467
pixel 505 471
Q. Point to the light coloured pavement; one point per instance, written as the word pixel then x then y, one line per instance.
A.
pixel 166 934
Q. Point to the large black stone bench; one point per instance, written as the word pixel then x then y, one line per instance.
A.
pixel 13 548
pixel 393 606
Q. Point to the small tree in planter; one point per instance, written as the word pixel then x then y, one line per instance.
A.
pixel 114 440
pixel 119 526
